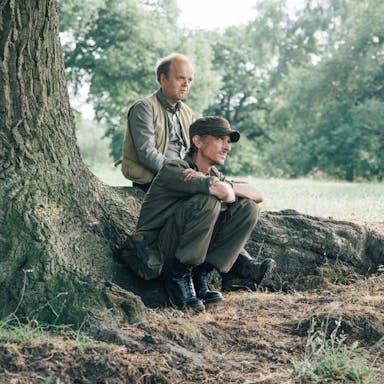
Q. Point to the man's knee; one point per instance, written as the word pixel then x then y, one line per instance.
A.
pixel 249 210
pixel 204 204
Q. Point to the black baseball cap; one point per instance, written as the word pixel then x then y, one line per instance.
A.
pixel 214 126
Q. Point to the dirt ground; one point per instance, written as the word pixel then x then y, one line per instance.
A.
pixel 253 337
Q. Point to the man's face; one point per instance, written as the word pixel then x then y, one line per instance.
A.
pixel 214 149
pixel 176 86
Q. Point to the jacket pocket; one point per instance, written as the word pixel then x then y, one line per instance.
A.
pixel 143 258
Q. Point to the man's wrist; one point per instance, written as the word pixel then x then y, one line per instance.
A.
pixel 214 181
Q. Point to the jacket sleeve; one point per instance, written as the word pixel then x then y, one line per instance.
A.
pixel 220 176
pixel 143 136
pixel 171 178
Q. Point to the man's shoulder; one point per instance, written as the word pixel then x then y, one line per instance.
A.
pixel 146 100
pixel 172 167
pixel 176 163
pixel 169 174
pixel 185 107
pixel 145 105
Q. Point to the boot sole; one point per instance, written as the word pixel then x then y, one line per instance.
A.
pixel 184 307
pixel 214 303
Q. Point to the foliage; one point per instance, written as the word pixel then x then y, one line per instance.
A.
pixel 244 159
pixel 116 51
pixel 329 359
pixel 334 106
pixel 115 47
pixel 305 89
pixel 253 60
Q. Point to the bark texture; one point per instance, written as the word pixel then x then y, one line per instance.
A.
pixel 304 245
pixel 59 225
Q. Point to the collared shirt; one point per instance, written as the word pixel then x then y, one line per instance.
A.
pixel 168 191
pixel 142 131
pixel 176 146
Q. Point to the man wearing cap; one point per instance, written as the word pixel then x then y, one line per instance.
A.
pixel 197 218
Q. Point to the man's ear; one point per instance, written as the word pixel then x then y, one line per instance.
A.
pixel 197 140
pixel 162 78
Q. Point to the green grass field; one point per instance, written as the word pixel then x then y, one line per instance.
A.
pixel 340 200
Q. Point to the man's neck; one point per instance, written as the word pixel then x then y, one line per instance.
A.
pixel 201 163
pixel 171 103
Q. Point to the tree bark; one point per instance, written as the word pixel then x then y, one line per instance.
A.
pixel 304 245
pixel 59 225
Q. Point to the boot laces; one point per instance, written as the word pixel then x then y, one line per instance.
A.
pixel 188 285
pixel 201 281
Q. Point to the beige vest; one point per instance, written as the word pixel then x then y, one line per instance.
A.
pixel 131 167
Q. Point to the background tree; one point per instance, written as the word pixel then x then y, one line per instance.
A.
pixel 334 104
pixel 241 98
pixel 297 85
pixel 116 49
pixel 253 60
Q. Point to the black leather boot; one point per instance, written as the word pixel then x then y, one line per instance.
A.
pixel 245 267
pixel 200 281
pixel 180 289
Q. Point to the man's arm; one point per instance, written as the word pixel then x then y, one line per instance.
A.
pixel 222 190
pixel 248 191
pixel 143 136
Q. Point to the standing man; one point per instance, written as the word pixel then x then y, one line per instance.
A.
pixel 198 219
pixel 157 126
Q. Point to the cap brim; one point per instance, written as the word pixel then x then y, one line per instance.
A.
pixel 235 136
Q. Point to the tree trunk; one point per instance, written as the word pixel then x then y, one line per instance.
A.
pixel 350 173
pixel 59 225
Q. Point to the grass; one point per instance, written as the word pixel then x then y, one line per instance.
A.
pixel 340 200
pixel 336 199
pixel 178 327
pixel 14 330
pixel 329 359
pixel 250 337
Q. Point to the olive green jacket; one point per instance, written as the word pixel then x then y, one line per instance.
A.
pixel 167 192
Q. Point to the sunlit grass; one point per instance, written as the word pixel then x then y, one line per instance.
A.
pixel 340 200
pixel 111 175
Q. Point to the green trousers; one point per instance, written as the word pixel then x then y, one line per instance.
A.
pixel 200 230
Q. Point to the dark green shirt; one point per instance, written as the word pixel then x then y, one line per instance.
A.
pixel 168 191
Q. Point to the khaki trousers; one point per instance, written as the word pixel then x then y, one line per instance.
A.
pixel 200 231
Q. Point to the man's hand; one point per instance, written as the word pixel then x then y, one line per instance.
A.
pixel 223 191
pixel 248 191
pixel 189 173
